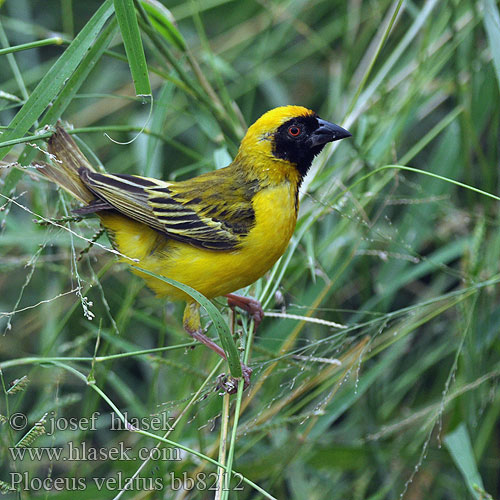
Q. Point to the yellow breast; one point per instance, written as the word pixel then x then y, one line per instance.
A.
pixel 212 273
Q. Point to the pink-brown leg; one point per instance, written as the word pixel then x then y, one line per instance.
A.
pixel 192 325
pixel 251 306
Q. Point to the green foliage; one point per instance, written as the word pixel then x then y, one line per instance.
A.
pixel 381 340
pixel 127 20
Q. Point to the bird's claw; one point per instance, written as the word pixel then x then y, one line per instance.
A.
pixel 251 306
pixel 230 384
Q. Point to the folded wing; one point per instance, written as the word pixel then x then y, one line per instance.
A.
pixel 212 211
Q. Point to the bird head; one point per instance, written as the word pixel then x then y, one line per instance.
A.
pixel 291 136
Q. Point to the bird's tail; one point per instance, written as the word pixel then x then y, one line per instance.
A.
pixel 67 159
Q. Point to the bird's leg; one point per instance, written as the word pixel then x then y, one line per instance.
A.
pixel 251 306
pixel 192 325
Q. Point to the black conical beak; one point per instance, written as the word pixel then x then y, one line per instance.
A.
pixel 327 132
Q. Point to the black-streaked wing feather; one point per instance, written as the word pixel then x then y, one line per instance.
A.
pixel 124 193
pixel 212 211
pixel 96 205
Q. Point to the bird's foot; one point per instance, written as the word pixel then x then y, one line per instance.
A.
pixel 230 384
pixel 192 325
pixel 251 306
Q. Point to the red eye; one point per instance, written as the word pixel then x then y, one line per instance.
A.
pixel 294 131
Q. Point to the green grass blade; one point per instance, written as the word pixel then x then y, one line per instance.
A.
pixel 423 172
pixel 152 167
pixel 460 448
pixel 391 61
pixel 492 25
pixel 72 86
pixel 381 43
pixel 226 339
pixel 64 98
pixel 129 27
pixel 13 64
pixel 53 82
pixel 80 75
pixel 57 40
pixel 163 21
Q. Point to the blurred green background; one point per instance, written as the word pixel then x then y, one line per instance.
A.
pixel 376 369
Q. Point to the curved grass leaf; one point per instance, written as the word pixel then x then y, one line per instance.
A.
pixel 152 166
pixel 222 329
pixel 55 79
pixel 80 75
pixel 65 97
pixel 492 25
pixel 127 20
pixel 460 448
pixel 163 21
pixel 56 40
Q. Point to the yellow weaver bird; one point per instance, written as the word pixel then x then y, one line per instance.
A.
pixel 217 232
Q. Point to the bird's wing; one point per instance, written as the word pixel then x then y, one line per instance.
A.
pixel 212 211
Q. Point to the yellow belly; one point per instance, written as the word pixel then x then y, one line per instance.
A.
pixel 212 273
